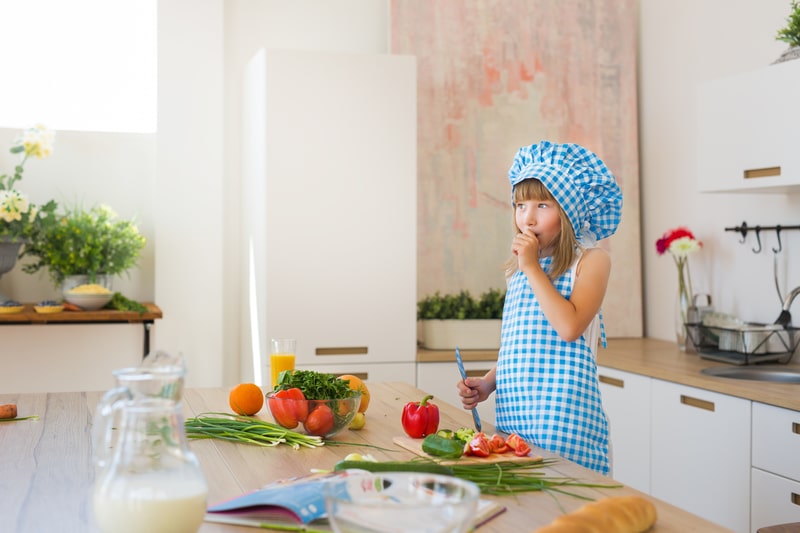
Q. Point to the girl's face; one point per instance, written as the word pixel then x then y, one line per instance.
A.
pixel 541 217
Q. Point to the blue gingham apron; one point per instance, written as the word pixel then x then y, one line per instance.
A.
pixel 547 389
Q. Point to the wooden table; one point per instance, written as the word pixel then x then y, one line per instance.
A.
pixel 101 316
pixel 46 471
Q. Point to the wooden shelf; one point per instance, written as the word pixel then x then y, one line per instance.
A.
pixel 100 316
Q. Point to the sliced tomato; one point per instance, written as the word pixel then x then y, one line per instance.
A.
pixel 479 446
pixel 518 444
pixel 498 444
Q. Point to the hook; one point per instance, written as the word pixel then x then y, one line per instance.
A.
pixel 758 238
pixel 743 230
pixel 780 246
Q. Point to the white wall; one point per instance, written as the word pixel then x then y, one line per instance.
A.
pixel 682 43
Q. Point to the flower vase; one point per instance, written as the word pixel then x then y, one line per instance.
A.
pixel 9 250
pixel 682 304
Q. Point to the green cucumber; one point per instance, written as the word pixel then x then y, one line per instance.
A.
pixel 395 466
pixel 439 446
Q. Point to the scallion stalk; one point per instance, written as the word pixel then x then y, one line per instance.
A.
pixel 247 429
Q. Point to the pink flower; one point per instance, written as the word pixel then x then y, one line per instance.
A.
pixel 679 241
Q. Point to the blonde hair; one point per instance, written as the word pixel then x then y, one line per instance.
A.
pixel 566 245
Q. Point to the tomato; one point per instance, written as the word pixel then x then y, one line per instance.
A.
pixel 479 446
pixel 520 447
pixel 319 421
pixel 498 444
pixel 288 407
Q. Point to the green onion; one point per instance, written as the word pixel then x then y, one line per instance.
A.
pixel 32 417
pixel 247 429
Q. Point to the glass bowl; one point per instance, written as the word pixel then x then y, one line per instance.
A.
pixel 322 418
pixel 88 295
pixel 400 502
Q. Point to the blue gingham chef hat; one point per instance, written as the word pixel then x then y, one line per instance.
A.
pixel 580 182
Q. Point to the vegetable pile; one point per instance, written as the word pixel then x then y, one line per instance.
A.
pixel 501 478
pixel 246 429
pixel 449 444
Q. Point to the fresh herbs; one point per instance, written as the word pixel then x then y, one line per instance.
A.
pixel 315 385
pixel 247 430
pixel 463 305
pixel 121 303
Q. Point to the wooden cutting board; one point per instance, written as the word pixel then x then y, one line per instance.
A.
pixel 415 446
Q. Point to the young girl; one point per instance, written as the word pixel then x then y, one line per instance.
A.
pixel 545 379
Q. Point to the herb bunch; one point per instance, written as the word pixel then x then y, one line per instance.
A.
pixel 315 385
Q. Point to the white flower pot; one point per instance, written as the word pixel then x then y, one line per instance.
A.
pixel 471 334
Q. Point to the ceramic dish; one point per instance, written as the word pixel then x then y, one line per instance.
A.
pixel 10 306
pixel 88 302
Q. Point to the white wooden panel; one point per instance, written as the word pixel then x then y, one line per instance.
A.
pixel 776 440
pixel 701 453
pixel 775 500
pixel 330 191
pixel 626 401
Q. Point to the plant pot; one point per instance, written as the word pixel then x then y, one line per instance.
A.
pixel 470 334
pixel 788 55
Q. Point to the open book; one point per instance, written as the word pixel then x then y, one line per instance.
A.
pixel 300 503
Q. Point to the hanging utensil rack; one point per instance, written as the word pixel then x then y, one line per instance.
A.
pixel 744 229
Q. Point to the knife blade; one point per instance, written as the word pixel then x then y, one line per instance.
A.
pixel 475 417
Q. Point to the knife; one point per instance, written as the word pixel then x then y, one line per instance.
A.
pixel 475 417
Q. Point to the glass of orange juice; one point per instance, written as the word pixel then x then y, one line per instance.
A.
pixel 281 357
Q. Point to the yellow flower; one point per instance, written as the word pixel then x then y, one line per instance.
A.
pixel 13 204
pixel 37 141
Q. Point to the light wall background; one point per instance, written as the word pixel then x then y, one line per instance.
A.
pixel 182 184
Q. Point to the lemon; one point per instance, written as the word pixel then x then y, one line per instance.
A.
pixel 358 421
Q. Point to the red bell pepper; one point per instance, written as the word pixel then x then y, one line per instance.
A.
pixel 420 418
pixel 289 407
pixel 479 446
pixel 498 444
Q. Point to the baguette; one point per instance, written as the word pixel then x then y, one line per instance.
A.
pixel 618 514
pixel 8 410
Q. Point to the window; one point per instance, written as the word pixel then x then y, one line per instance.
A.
pixel 85 65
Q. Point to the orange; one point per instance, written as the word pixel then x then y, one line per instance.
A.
pixel 357 384
pixel 246 399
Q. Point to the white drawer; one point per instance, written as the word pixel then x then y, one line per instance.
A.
pixel 775 500
pixel 776 440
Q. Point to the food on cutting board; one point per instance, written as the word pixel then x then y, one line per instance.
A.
pixel 11 306
pixel 48 306
pixel 8 410
pixel 89 288
pixel 617 514
pixel 449 444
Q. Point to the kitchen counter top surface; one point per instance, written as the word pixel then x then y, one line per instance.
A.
pixel 663 360
pixel 48 461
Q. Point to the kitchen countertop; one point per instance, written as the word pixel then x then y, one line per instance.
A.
pixel 48 462
pixel 663 360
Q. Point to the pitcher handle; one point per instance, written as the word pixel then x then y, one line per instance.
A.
pixel 105 420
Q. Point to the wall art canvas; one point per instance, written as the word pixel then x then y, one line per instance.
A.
pixel 495 75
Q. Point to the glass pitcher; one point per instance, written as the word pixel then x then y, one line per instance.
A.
pixel 148 479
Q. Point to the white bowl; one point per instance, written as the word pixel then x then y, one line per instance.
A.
pixel 400 502
pixel 88 302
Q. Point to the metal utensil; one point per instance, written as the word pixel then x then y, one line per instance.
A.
pixel 475 417
pixel 785 318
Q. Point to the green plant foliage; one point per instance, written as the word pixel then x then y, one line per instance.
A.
pixel 85 243
pixel 791 33
pixel 462 306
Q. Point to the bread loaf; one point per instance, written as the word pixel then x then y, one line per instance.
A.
pixel 618 514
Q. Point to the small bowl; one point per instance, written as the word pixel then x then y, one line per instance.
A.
pixel 9 307
pixel 400 502
pixel 88 302
pixel 324 418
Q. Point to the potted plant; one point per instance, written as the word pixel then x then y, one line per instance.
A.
pixel 19 218
pixel 91 243
pixel 451 320
pixel 791 34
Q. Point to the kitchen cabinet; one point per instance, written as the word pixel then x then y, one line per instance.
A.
pixel 439 379
pixel 404 372
pixel 329 206
pixel 776 470
pixel 746 131
pixel 626 401
pixel 700 450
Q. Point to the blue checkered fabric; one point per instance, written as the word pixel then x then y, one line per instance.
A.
pixel 547 388
pixel 579 181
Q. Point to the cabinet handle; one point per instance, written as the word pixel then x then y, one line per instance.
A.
pixel 476 373
pixel 795 428
pixel 364 376
pixel 343 350
pixel 614 382
pixel 795 499
pixel 769 172
pixel 697 402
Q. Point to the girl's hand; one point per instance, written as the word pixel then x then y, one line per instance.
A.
pixel 526 247
pixel 474 391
